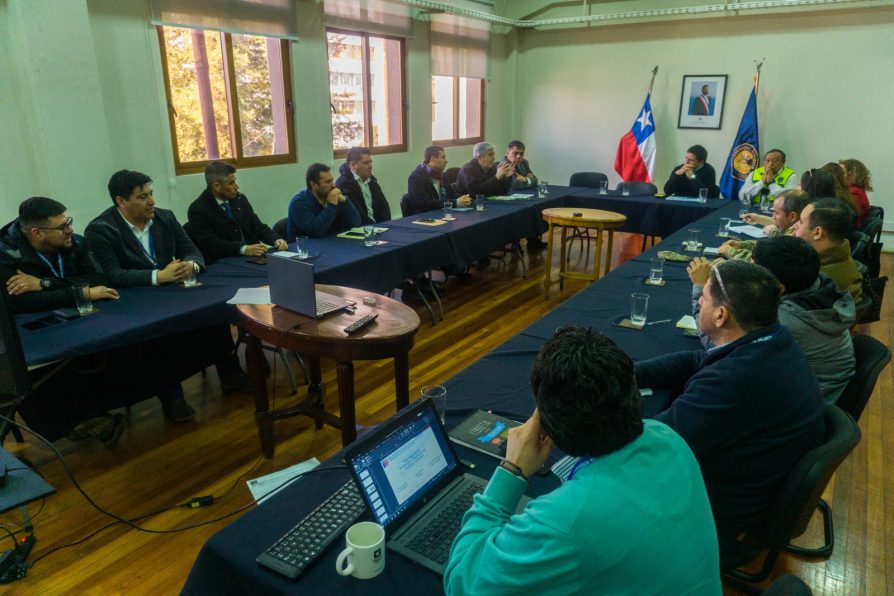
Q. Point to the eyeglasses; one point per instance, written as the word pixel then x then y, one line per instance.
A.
pixel 60 228
pixel 716 272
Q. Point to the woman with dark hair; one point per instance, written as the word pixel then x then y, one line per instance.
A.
pixel 842 191
pixel 819 183
pixel 859 180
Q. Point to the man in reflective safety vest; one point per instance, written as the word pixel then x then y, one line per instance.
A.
pixel 768 181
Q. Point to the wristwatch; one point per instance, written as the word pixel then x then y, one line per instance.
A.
pixel 46 283
pixel 513 469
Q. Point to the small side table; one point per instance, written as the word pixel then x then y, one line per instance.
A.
pixel 390 336
pixel 575 217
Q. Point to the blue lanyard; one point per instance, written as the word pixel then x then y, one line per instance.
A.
pixel 580 464
pixel 61 273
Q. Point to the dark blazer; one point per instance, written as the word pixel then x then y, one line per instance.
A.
pixel 474 180
pixel 121 255
pixel 78 267
pixel 421 193
pixel 217 235
pixel 351 190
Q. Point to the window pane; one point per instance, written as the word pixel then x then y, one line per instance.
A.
pixel 469 108
pixel 386 98
pixel 198 94
pixel 442 108
pixel 259 87
pixel 346 89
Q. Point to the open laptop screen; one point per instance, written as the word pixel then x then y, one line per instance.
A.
pixel 398 468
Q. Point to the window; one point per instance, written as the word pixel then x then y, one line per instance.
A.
pixel 229 98
pixel 457 115
pixel 366 92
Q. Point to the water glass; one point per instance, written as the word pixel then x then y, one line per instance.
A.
pixel 438 395
pixel 603 187
pixel 301 248
pixel 765 203
pixel 479 202
pixel 625 189
pixel 190 280
pixel 703 195
pixel 723 230
pixel 448 210
pixel 369 235
pixel 743 209
pixel 691 239
pixel 83 300
pixel 656 270
pixel 639 305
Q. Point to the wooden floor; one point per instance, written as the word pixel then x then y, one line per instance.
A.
pixel 159 464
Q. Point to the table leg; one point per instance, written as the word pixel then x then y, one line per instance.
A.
pixel 316 389
pixel 597 266
pixel 402 380
pixel 345 373
pixel 549 259
pixel 608 255
pixel 263 416
pixel 563 258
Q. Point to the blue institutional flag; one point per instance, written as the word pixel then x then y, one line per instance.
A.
pixel 745 153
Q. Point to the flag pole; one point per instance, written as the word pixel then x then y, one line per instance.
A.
pixel 757 77
pixel 655 72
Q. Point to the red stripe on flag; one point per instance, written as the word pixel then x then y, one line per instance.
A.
pixel 629 162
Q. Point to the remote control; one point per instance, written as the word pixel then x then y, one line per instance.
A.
pixel 360 324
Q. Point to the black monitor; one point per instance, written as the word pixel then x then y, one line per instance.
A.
pixel 14 383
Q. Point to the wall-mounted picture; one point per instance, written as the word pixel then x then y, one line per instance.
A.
pixel 701 103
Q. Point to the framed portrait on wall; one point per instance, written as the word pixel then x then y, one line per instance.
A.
pixel 701 101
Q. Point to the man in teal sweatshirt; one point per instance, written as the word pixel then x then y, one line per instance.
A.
pixel 633 516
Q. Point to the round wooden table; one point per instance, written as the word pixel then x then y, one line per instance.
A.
pixel 389 336
pixel 576 217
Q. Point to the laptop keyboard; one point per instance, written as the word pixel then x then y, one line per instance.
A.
pixel 435 539
pixel 304 543
pixel 323 306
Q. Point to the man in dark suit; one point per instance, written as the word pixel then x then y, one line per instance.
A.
pixel 137 244
pixel 426 190
pixel 222 222
pixel 481 177
pixel 692 175
pixel 361 188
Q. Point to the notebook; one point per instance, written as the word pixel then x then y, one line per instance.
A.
pixel 292 287
pixel 412 482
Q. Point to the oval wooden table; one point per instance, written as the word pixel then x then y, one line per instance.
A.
pixel 577 217
pixel 389 336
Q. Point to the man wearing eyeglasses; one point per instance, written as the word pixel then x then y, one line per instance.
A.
pixel 41 259
pixel 746 426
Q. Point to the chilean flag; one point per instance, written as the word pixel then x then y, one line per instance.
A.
pixel 635 160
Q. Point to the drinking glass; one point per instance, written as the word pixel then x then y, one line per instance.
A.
pixel 656 270
pixel 603 187
pixel 691 239
pixel 479 202
pixel 301 248
pixel 703 195
pixel 438 395
pixel 448 210
pixel 625 189
pixel 369 235
pixel 82 298
pixel 639 305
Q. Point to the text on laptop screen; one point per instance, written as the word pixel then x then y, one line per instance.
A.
pixel 398 471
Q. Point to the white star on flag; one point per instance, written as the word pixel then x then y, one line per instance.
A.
pixel 644 119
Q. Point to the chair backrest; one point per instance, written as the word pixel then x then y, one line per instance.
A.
pixel 860 243
pixel 280 229
pixel 872 227
pixel 404 208
pixel 587 179
pixel 872 357
pixel 876 211
pixel 639 188
pixel 800 494
pixel 449 176
pixel 187 227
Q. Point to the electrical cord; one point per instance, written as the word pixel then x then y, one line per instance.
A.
pixel 118 519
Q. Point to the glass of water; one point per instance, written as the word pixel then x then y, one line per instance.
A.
pixel 639 305
pixel 603 187
pixel 703 195
pixel 479 202
pixel 369 235
pixel 625 189
pixel 448 210
pixel 83 299
pixel 656 270
pixel 301 248
pixel 438 395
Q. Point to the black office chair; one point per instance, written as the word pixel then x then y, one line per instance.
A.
pixel 587 179
pixel 787 585
pixel 449 176
pixel 872 357
pixel 638 188
pixel 872 227
pixel 280 228
pixel 799 497
pixel 859 246
pixel 404 205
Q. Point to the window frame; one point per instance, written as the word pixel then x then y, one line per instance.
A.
pixel 239 160
pixel 367 100
pixel 457 140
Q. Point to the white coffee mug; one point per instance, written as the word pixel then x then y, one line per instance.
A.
pixel 365 553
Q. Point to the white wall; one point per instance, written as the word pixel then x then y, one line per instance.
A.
pixel 825 91
pixel 83 97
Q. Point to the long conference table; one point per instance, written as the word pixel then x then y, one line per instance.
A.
pixel 499 382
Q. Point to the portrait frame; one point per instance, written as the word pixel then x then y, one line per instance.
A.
pixel 699 109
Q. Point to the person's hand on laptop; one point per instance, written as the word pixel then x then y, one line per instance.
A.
pixel 528 445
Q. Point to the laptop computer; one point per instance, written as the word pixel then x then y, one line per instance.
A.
pixel 292 287
pixel 412 481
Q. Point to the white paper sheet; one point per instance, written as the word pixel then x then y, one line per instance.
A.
pixel 251 296
pixel 265 486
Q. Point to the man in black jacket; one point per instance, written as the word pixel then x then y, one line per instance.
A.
pixel 481 177
pixel 426 190
pixel 222 222
pixel 361 188
pixel 41 259
pixel 692 175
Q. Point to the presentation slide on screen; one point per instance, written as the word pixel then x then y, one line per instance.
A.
pixel 413 464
